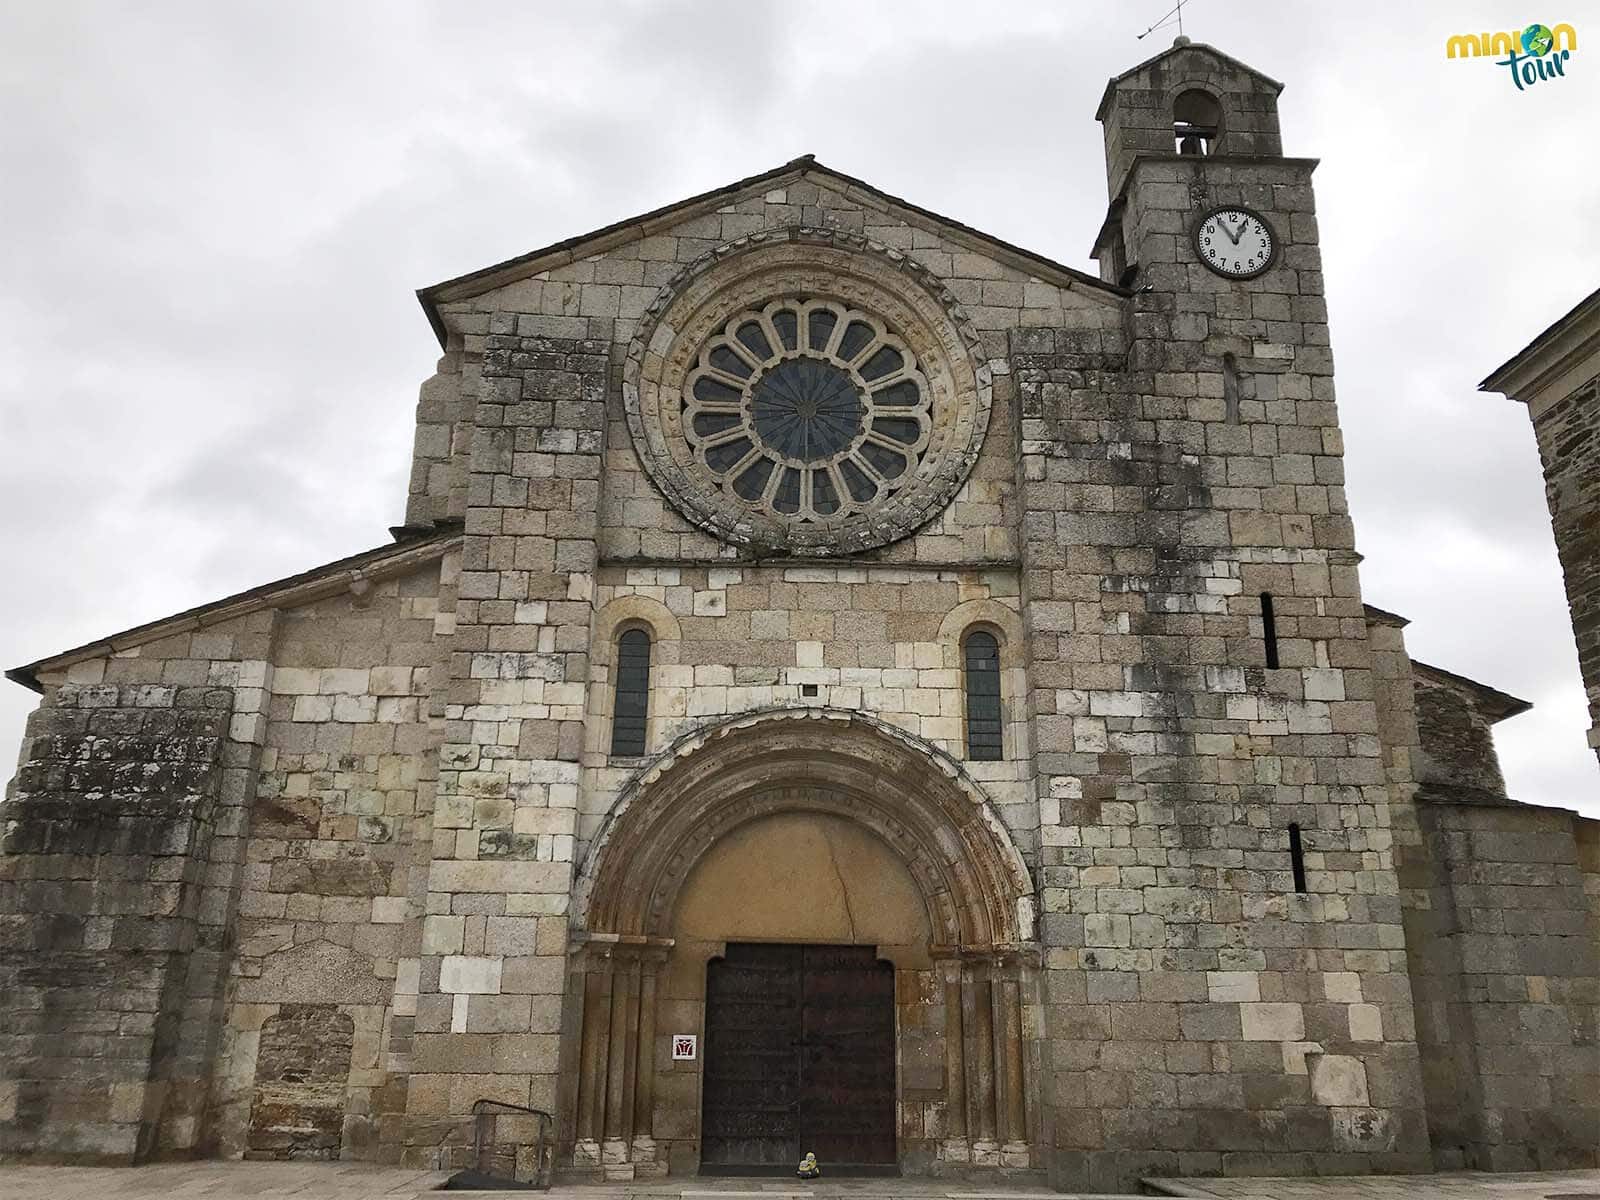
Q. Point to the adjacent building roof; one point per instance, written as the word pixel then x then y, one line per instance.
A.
pixel 328 579
pixel 560 253
pixel 1382 616
pixel 1577 333
pixel 1491 702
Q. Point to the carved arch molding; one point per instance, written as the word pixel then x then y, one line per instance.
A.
pixel 974 883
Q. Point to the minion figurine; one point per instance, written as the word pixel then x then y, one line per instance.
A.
pixel 808 1167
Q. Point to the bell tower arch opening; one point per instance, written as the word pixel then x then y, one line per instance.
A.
pixel 1196 122
pixel 860 869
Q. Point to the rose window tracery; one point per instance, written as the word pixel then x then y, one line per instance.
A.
pixel 807 409
pixel 806 392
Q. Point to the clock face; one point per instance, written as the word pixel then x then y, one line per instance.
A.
pixel 1235 242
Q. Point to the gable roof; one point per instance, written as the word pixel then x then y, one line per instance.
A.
pixel 329 579
pixel 1560 340
pixel 1179 45
pixel 557 254
pixel 1491 702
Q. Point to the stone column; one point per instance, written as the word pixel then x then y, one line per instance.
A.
pixel 1010 1057
pixel 987 1111
pixel 612 1091
pixel 956 1147
pixel 978 1018
pixel 644 1100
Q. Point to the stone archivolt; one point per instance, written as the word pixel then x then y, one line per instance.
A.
pixel 974 881
pixel 719 385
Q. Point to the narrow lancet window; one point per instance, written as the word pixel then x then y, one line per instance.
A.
pixel 982 653
pixel 1297 858
pixel 632 701
pixel 1269 630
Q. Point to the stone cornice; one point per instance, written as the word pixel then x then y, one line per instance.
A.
pixel 1550 356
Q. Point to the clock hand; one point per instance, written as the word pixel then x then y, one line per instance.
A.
pixel 1232 236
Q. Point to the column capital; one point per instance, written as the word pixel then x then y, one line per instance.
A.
pixel 1007 956
pixel 600 951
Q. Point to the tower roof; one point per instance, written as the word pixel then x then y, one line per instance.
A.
pixel 1180 46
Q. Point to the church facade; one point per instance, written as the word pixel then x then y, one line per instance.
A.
pixel 846 684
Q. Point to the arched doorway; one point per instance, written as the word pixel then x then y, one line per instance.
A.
pixel 786 830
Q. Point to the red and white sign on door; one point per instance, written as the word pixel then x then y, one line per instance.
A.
pixel 683 1045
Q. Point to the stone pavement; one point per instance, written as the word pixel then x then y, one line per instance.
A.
pixel 258 1181
pixel 365 1181
pixel 1467 1185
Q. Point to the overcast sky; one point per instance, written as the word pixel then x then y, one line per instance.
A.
pixel 213 218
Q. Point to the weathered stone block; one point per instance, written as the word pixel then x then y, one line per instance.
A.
pixel 465 973
pixel 1337 1080
pixel 1275 1022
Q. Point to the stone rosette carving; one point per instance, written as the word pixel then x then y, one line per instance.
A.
pixel 807 392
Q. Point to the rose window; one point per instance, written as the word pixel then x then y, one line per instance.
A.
pixel 806 392
pixel 809 411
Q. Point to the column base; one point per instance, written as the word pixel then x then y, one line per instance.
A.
pixel 1016 1154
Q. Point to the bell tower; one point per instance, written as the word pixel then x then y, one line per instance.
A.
pixel 1232 670
pixel 1178 127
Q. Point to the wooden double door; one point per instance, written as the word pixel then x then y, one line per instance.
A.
pixel 799 1057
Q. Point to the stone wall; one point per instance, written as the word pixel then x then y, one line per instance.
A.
pixel 882 639
pixel 294 888
pixel 330 902
pixel 1456 738
pixel 438 485
pixel 1203 1016
pixel 1505 960
pixel 603 297
pixel 108 827
pixel 1568 432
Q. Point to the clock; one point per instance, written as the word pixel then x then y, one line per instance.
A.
pixel 1235 242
